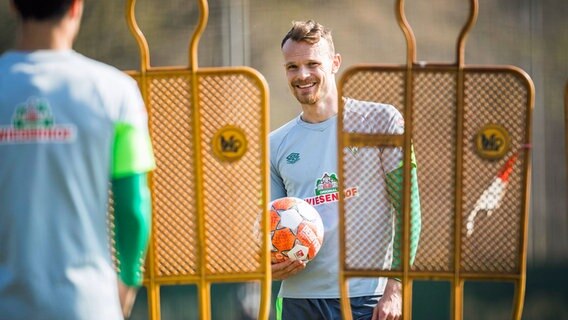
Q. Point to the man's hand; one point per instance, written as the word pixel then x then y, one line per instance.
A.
pixel 285 269
pixel 390 304
pixel 127 296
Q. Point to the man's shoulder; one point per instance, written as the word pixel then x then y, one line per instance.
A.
pixel 107 79
pixel 370 110
pixel 283 130
pixel 4 58
pixel 99 68
pixel 9 59
pixel 358 106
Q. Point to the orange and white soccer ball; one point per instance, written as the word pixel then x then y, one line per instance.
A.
pixel 296 230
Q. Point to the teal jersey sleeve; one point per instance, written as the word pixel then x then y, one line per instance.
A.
pixel 132 151
pixel 395 188
pixel 132 221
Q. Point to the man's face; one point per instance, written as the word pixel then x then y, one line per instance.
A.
pixel 310 69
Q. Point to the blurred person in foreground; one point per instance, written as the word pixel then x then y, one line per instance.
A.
pixel 69 125
pixel 303 154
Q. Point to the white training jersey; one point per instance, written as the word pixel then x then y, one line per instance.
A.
pixel 58 111
pixel 303 164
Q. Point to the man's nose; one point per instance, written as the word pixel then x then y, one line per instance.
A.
pixel 303 72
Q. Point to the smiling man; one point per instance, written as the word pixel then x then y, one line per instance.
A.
pixel 303 164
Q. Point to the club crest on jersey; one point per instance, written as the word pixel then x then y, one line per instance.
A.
pixel 328 183
pixel 293 158
pixel 327 190
pixel 33 121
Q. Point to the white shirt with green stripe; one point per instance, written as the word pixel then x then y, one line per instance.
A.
pixel 68 124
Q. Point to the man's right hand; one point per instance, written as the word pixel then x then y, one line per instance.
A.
pixel 127 297
pixel 287 268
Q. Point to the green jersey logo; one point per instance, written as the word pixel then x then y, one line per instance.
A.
pixel 32 121
pixel 293 158
pixel 328 183
pixel 32 116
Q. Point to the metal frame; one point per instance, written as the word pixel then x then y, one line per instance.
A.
pixel 566 122
pixel 202 278
pixel 407 275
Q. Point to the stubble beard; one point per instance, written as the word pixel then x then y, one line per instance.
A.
pixel 307 98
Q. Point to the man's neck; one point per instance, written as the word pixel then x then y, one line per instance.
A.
pixel 44 35
pixel 321 111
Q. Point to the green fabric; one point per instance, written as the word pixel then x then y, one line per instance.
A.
pixel 395 191
pixel 132 151
pixel 132 220
pixel 278 307
pixel 412 159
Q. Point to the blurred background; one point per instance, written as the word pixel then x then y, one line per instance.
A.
pixel 530 34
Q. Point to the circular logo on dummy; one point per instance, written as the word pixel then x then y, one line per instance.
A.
pixel 229 143
pixel 492 142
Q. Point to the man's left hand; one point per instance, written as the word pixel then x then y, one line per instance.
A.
pixel 390 304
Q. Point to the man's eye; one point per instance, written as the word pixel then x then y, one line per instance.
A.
pixel 314 64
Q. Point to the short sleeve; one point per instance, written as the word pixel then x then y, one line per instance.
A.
pixel 277 189
pixel 132 148
pixel 393 157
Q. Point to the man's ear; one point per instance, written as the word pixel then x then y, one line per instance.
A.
pixel 336 63
pixel 76 8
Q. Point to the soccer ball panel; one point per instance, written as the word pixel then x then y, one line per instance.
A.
pixel 307 211
pixel 283 203
pixel 283 239
pixel 299 252
pixel 290 219
pixel 308 235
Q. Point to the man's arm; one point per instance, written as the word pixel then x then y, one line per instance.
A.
pixel 394 189
pixel 287 268
pixel 390 304
pixel 132 220
pixel 132 214
pixel 132 159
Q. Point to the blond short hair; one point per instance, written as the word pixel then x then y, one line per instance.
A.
pixel 310 32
